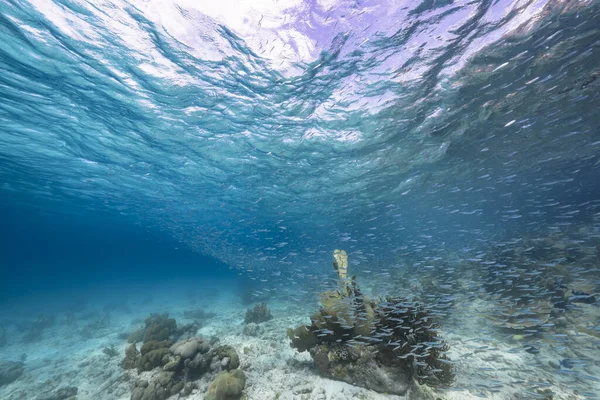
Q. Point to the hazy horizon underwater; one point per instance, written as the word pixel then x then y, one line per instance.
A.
pixel 299 200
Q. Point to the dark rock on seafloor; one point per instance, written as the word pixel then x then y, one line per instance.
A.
pixel 10 371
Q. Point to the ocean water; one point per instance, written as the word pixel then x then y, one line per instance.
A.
pixel 196 159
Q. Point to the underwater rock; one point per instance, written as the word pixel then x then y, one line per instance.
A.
pixel 182 363
pixel 194 368
pixel 227 386
pixel 188 388
pixel 229 352
pixel 252 329
pixel 159 387
pixel 359 366
pixel 136 336
pixel 153 355
pixel 189 347
pixel 159 327
pixel 260 313
pixel 132 357
pixel 10 371
pixel 188 330
pixel 188 360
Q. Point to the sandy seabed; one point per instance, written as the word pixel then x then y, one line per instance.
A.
pixel 488 364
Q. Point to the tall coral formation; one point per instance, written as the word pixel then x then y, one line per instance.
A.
pixel 340 263
pixel 378 345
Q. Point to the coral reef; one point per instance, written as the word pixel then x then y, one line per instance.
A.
pixel 136 336
pixel 10 371
pixel 175 367
pixel 160 387
pixel 377 345
pixel 407 323
pixel 535 278
pixel 189 347
pixel 159 327
pixel 260 313
pixel 227 386
pixel 228 357
pixel 132 357
pixel 152 354
pixel 187 330
pixel 302 338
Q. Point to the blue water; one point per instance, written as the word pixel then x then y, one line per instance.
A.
pixel 158 142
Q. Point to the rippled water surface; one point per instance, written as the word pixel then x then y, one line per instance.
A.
pixel 451 145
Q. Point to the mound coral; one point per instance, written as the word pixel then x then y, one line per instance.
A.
pixel 159 327
pixel 378 345
pixel 152 354
pixel 227 386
